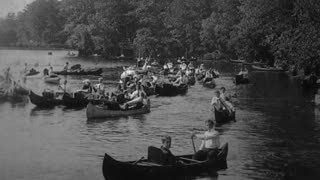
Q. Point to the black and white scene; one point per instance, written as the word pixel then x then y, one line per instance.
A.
pixel 159 89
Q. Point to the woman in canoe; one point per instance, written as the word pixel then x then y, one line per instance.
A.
pixel 210 142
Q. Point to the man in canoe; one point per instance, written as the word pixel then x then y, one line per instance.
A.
pixel 100 87
pixel 210 143
pixel 136 98
pixel 169 158
pixel 66 66
pixel 225 101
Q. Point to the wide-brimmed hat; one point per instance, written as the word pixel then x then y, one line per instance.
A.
pixel 86 81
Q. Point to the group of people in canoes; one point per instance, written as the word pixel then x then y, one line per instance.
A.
pixel 206 75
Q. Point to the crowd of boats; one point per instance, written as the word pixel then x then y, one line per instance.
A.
pixel 136 84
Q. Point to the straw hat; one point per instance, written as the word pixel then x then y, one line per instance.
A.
pixel 86 81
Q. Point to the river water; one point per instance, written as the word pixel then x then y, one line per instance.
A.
pixel 276 125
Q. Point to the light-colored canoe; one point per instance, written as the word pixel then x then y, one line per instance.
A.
pixel 269 69
pixel 52 80
pixel 96 111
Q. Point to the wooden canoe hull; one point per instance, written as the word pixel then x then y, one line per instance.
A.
pixel 44 102
pixel 170 90
pixel 97 112
pixel 224 116
pixel 66 100
pixel 269 69
pixel 52 80
pixel 96 72
pixel 210 84
pixel 113 169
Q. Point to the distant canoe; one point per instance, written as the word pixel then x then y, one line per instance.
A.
pixel 66 100
pixel 269 69
pixel 150 168
pixel 96 111
pixel 237 61
pixel 95 72
pixel 224 116
pixel 52 79
pixel 45 102
pixel 239 79
pixel 167 89
pixel 32 73
pixel 209 84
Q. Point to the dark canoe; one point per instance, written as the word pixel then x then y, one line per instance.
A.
pixel 66 100
pixel 45 102
pixel 71 102
pixel 191 80
pixel 268 69
pixel 210 84
pixel 224 116
pixel 95 72
pixel 96 111
pixel 170 90
pixel 241 80
pixel 32 73
pixel 149 169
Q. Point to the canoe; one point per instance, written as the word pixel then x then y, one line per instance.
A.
pixel 152 168
pixel 71 102
pixel 97 111
pixel 52 79
pixel 167 89
pixel 96 72
pixel 224 116
pixel 269 69
pixel 66 100
pixel 45 102
pixel 237 61
pixel 210 84
pixel 32 73
pixel 241 80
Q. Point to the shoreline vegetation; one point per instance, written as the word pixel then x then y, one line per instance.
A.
pixel 273 32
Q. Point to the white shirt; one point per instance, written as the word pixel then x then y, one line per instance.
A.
pixel 210 139
pixel 215 102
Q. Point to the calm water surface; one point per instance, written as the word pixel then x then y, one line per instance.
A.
pixel 276 123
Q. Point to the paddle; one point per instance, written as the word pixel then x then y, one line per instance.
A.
pixel 136 162
pixel 194 148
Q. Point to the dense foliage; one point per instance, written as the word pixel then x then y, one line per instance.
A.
pixel 271 31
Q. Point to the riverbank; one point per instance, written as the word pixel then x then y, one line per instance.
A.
pixel 34 48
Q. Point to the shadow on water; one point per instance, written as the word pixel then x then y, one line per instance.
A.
pixel 36 111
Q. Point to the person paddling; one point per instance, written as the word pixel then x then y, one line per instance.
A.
pixel 210 142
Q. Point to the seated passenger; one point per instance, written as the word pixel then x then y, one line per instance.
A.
pixel 66 66
pixel 208 77
pixel 169 158
pixel 100 87
pixel 210 143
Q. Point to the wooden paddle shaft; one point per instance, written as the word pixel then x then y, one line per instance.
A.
pixel 194 148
